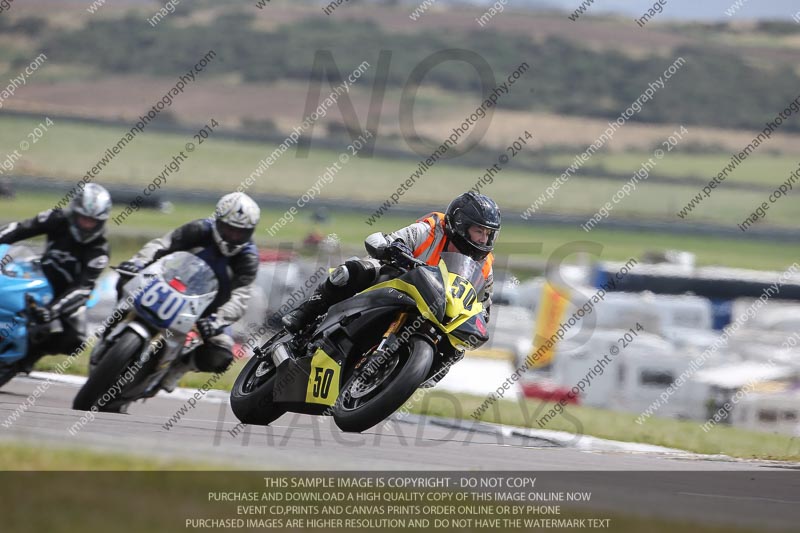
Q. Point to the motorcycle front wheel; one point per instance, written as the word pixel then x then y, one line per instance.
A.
pixel 366 399
pixel 252 393
pixel 7 372
pixel 107 373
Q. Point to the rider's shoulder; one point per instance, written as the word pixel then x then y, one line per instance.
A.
pixel 51 216
pixel 435 217
pixel 247 259
pixel 205 224
pixel 202 227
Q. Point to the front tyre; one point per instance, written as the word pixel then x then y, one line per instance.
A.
pixel 108 371
pixel 355 411
pixel 7 372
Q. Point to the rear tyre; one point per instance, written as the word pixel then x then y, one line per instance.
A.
pixel 357 414
pixel 111 366
pixel 252 393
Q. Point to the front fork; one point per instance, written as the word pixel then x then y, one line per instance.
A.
pixel 389 339
pixel 391 333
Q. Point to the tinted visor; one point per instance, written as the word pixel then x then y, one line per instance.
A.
pixel 87 224
pixel 233 235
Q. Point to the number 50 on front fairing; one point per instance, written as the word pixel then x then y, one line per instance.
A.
pixel 368 355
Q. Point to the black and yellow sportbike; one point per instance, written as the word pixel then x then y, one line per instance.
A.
pixel 362 360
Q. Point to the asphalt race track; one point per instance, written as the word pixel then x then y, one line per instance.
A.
pixel 703 489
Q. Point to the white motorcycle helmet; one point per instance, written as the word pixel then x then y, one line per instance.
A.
pixel 236 218
pixel 88 212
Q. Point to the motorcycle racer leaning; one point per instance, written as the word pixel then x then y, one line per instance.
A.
pixel 76 252
pixel 224 241
pixel 469 226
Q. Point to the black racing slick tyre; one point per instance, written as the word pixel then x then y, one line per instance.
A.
pixel 360 413
pixel 252 393
pixel 107 373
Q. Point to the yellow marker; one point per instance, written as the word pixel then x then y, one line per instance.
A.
pixel 551 310
pixel 323 382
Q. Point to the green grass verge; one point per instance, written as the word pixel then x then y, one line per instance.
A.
pixel 351 229
pixel 69 149
pixel 193 380
pixel 761 168
pixel 33 457
pixel 614 425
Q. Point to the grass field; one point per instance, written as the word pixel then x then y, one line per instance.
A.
pixel 765 169
pixel 351 229
pixel 70 149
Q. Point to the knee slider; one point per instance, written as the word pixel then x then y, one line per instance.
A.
pixel 340 276
pixel 363 272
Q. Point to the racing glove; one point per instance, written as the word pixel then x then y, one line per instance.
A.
pixel 397 252
pixel 131 266
pixel 42 314
pixel 210 326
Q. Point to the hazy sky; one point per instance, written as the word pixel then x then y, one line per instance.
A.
pixel 689 9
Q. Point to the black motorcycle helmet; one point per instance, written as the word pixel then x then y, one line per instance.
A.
pixel 472 209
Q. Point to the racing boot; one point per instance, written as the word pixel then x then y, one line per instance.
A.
pixel 180 367
pixel 308 311
pixel 345 281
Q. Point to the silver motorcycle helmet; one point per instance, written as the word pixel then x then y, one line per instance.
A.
pixel 236 217
pixel 88 212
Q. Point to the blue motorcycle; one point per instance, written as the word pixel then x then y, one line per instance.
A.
pixel 22 284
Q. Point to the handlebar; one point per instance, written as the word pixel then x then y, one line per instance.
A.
pixel 121 271
pixel 411 259
pixel 414 260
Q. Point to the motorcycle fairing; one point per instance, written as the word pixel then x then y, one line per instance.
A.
pixel 312 380
pixel 461 298
pixel 19 277
pixel 352 314
pixel 472 333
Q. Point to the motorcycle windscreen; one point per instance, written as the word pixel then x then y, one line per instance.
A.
pixel 465 267
pixel 191 274
pixel 19 261
pixel 175 282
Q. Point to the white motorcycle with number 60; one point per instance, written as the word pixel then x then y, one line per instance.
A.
pixel 156 328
